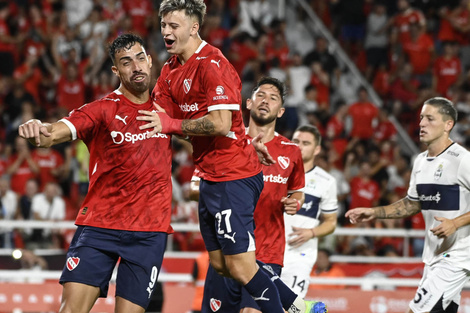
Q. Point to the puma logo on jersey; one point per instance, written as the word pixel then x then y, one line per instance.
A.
pixel 230 237
pixel 216 62
pixel 121 119
pixel 262 297
pixel 201 58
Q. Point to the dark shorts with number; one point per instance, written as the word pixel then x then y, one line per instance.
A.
pixel 94 252
pixel 226 213
pixel 226 294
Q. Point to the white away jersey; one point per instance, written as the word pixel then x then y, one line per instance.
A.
pixel 442 185
pixel 320 197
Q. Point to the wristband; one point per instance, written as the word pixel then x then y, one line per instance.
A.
pixel 298 204
pixel 170 125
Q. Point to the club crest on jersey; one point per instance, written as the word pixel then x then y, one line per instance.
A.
pixel 283 161
pixel 187 85
pixel 215 304
pixel 72 263
pixel 438 172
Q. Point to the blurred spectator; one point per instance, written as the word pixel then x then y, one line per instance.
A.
pixel 8 207
pixel 14 101
pixel 29 75
pixel 324 268
pixel 419 50
pixel 77 11
pixel 140 12
pixel 309 105
pixel 365 192
pixel 335 127
pixel 447 69
pixel 215 34
pixel 376 43
pixel 50 163
pixel 8 43
pixel 460 21
pixel 31 261
pixel 363 116
pixel 384 130
pixel 321 54
pixel 402 20
pixel 404 86
pixel 278 49
pixel 378 167
pixel 352 21
pixel 47 206
pixel 93 32
pixel 83 159
pixel 254 16
pixel 70 88
pixel 321 80
pixel 21 166
pixel 24 211
pixel 381 81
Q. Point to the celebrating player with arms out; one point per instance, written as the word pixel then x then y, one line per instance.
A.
pixel 282 192
pixel 126 213
pixel 440 189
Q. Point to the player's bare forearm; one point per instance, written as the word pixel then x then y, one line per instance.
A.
pixel 44 135
pixel 327 226
pixel 293 202
pixel 400 209
pixel 216 123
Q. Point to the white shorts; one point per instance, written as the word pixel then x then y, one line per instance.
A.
pixel 296 272
pixel 439 281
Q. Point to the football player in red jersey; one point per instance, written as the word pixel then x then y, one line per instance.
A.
pixel 200 91
pixel 126 213
pixel 283 183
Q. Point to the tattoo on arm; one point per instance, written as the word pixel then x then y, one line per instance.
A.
pixel 201 126
pixel 399 209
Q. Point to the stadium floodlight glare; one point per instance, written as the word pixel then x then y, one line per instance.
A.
pixel 17 254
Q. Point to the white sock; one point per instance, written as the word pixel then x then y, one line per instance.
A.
pixel 298 306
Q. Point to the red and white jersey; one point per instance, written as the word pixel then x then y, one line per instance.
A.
pixel 284 177
pixel 208 82
pixel 130 174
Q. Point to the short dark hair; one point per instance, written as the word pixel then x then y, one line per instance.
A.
pixel 445 107
pixel 191 8
pixel 125 41
pixel 312 130
pixel 281 87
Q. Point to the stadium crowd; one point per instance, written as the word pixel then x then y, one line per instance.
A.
pixel 54 59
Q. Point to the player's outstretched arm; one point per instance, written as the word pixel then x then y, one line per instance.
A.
pixel 44 134
pixel 400 209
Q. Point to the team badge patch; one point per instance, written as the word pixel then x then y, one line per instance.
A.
pixel 438 172
pixel 283 161
pixel 187 85
pixel 215 304
pixel 72 263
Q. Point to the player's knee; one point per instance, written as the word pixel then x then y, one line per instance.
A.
pixel 242 272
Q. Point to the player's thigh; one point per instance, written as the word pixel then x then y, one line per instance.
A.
pixel 226 214
pixel 441 284
pixel 78 298
pixel 221 294
pixel 91 259
pixel 296 274
pixel 141 261
pixel 126 306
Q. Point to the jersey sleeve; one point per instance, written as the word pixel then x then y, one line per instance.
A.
pixel 83 121
pixel 329 202
pixel 221 84
pixel 297 177
pixel 412 191
pixel 463 175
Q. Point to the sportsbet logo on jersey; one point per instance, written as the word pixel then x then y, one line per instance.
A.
pixel 119 137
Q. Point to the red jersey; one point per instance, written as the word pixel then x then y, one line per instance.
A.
pixel 447 72
pixel 47 163
pixel 402 22
pixel 385 131
pixel 287 175
pixel 364 193
pixel 130 174
pixel 21 176
pixel 70 94
pixel 139 11
pixel 362 115
pixel 208 82
pixel 419 53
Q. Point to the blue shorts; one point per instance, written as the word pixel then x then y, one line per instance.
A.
pixel 226 213
pixel 227 293
pixel 94 252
